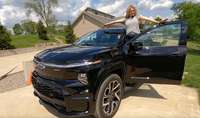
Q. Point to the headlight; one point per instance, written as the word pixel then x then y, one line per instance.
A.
pixel 78 64
pixel 82 77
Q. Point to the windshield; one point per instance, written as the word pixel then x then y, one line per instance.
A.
pixel 99 38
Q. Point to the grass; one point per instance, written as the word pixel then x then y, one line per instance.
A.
pixel 164 42
pixel 24 41
pixel 192 66
pixel 62 38
pixel 59 36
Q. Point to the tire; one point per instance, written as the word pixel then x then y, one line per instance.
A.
pixel 109 97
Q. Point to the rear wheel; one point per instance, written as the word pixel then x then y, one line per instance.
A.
pixel 109 97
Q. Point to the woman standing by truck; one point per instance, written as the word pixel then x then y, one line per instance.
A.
pixel 131 21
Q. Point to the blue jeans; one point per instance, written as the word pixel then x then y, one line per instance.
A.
pixel 129 37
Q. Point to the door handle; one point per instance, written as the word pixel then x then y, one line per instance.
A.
pixel 176 56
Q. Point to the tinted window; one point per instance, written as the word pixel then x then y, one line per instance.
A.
pixel 167 35
pixel 99 38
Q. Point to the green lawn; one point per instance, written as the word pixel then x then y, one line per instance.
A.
pixel 192 66
pixel 59 36
pixel 23 41
pixel 62 38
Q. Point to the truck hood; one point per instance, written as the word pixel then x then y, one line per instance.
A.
pixel 73 54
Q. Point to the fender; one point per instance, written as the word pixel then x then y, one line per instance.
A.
pixel 105 71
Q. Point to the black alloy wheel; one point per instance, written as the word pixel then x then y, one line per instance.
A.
pixel 109 97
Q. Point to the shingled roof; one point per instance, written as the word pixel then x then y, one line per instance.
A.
pixel 104 19
pixel 101 19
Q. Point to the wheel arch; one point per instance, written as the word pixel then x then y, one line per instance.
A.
pixel 114 68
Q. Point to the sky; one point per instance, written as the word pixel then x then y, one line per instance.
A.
pixel 13 11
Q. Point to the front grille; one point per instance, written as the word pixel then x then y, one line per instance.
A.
pixel 46 90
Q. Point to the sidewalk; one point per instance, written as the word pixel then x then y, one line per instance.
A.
pixel 13 64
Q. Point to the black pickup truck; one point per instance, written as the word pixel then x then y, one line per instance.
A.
pixel 89 77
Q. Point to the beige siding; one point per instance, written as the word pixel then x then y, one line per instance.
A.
pixel 83 26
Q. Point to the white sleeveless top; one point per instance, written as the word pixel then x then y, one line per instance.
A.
pixel 132 24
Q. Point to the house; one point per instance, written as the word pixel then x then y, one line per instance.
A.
pixel 91 20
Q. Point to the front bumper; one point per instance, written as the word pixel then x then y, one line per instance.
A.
pixel 68 97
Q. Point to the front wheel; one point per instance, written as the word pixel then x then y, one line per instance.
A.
pixel 109 97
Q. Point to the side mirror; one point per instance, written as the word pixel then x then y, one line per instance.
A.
pixel 136 46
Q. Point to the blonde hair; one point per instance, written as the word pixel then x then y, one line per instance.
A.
pixel 128 11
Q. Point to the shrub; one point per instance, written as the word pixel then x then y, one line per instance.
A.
pixel 4 38
pixel 17 29
pixel 70 37
pixel 41 30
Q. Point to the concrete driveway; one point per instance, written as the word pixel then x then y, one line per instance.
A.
pixel 147 101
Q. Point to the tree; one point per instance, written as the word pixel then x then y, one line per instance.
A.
pixel 43 9
pixel 151 24
pixel 193 22
pixel 17 29
pixel 158 19
pixel 60 29
pixel 141 26
pixel 189 11
pixel 41 30
pixel 181 8
pixel 4 38
pixel 29 26
pixel 57 29
pixel 70 37
pixel 52 29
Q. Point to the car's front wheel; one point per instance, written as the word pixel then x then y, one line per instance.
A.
pixel 109 97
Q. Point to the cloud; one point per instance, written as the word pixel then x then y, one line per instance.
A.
pixel 162 5
pixel 85 5
pixel 58 9
pixel 194 1
pixel 151 17
pixel 159 16
pixel 144 5
pixel 10 12
pixel 107 2
pixel 109 8
pixel 71 9
pixel 11 15
pixel 113 7
pixel 173 17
